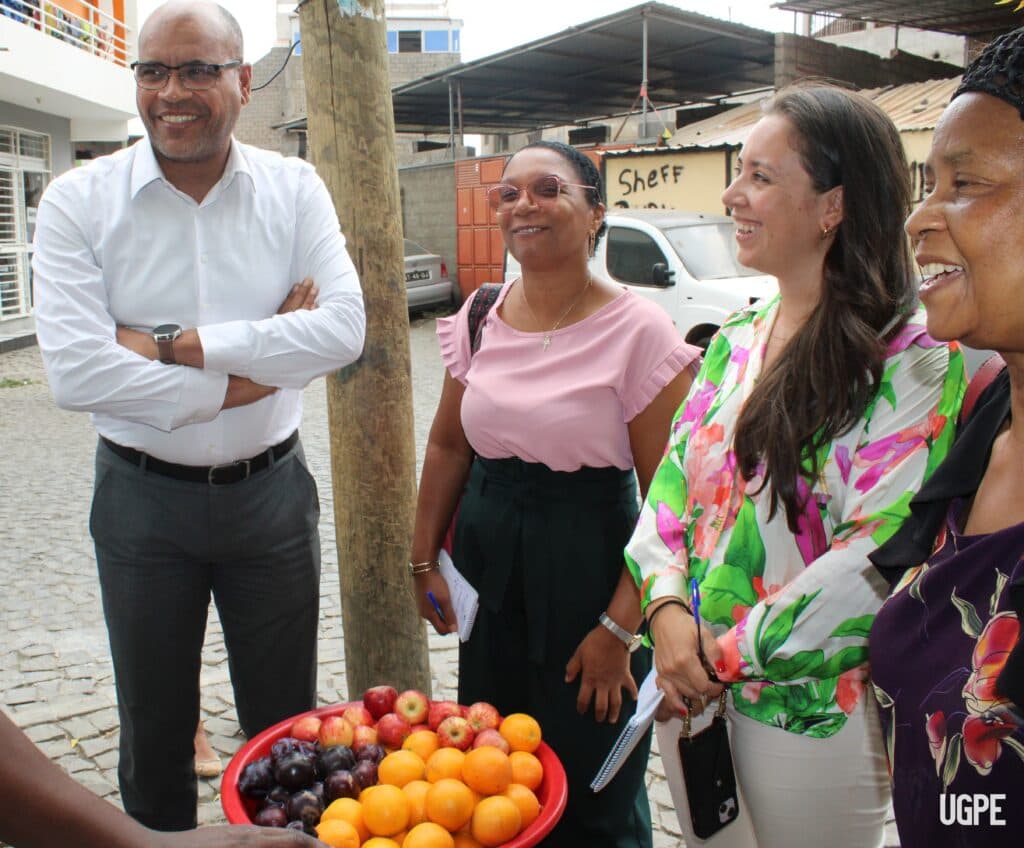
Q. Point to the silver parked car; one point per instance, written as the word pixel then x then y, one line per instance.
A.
pixel 426 278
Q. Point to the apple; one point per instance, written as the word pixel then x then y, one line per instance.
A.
pixel 455 732
pixel 439 711
pixel 335 730
pixel 482 716
pixel 490 736
pixel 412 705
pixel 363 735
pixel 380 700
pixel 418 727
pixel 392 730
pixel 357 714
pixel 306 728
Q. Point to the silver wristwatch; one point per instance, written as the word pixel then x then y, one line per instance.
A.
pixel 630 640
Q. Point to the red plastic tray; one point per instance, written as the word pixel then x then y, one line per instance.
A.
pixel 552 792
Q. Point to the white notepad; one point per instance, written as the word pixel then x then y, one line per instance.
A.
pixel 465 599
pixel 647 702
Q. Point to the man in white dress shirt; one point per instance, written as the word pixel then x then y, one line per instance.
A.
pixel 166 306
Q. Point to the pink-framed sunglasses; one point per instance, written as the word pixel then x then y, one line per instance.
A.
pixel 542 192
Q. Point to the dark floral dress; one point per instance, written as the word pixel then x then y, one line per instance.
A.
pixel 938 646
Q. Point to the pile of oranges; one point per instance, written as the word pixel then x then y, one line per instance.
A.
pixel 428 796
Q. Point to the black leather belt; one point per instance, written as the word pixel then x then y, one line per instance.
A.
pixel 215 475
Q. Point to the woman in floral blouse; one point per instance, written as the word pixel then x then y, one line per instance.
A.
pixel 946 655
pixel 814 418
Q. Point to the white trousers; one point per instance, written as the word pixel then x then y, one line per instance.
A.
pixel 794 790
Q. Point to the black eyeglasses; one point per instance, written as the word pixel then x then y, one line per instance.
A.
pixel 195 76
pixel 542 191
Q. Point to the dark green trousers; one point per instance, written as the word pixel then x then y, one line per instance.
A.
pixel 544 549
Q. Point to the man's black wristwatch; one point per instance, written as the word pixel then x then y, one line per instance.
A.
pixel 164 336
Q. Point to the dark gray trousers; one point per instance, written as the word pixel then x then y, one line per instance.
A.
pixel 163 546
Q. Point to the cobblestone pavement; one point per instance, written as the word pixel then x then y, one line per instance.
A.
pixel 56 680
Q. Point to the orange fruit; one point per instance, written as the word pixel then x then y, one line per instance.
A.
pixel 385 810
pixel 428 835
pixel 521 731
pixel 525 800
pixel 349 810
pixel 449 803
pixel 487 770
pixel 445 762
pixel 465 840
pixel 526 769
pixel 416 792
pixel 381 842
pixel 400 767
pixel 338 834
pixel 496 820
pixel 423 742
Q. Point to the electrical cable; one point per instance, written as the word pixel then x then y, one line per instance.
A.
pixel 295 44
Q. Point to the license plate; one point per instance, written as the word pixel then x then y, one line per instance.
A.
pixel 412 276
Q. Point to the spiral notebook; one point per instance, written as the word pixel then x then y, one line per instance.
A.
pixel 465 599
pixel 647 702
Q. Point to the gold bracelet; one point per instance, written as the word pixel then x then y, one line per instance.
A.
pixel 423 567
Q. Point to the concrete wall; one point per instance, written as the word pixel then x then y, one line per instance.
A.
pixel 797 57
pixel 59 130
pixel 882 40
pixel 283 100
pixel 428 209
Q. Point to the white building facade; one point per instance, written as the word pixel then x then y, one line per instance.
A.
pixel 65 93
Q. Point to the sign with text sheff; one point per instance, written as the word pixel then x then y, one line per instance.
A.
pixel 672 179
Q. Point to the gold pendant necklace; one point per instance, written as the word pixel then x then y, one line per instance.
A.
pixel 564 315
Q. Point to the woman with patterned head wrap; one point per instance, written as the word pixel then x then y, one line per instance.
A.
pixel 946 658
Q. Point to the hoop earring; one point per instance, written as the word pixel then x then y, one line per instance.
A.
pixel 591 243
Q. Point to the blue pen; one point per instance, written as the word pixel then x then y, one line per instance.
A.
pixel 695 605
pixel 436 606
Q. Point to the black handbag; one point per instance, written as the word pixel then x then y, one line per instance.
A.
pixel 708 774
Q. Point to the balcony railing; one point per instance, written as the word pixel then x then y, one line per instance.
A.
pixel 824 25
pixel 97 32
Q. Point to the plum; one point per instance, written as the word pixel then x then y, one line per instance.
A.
pixel 273 815
pixel 257 778
pixel 295 770
pixel 374 753
pixel 305 806
pixel 335 758
pixel 279 795
pixel 365 773
pixel 341 784
pixel 318 789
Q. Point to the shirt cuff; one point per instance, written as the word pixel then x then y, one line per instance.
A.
pixel 221 344
pixel 202 396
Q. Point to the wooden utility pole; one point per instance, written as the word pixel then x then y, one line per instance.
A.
pixel 373 451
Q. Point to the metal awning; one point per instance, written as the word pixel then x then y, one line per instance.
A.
pixel 978 18
pixel 593 70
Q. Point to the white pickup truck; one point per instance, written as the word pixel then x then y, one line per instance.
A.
pixel 683 261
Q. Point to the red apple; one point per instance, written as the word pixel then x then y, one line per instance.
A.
pixel 335 730
pixel 490 736
pixel 380 700
pixel 412 705
pixel 306 728
pixel 455 732
pixel 357 714
pixel 363 735
pixel 392 730
pixel 418 727
pixel 482 716
pixel 440 710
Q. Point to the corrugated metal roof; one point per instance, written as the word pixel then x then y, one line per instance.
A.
pixel 978 18
pixel 914 106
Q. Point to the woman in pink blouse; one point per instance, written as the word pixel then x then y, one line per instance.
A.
pixel 545 431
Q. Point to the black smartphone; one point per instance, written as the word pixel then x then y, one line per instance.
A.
pixel 709 777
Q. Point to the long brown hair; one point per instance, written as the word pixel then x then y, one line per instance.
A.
pixel 831 369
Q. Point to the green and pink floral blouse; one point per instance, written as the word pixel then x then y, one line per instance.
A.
pixel 792 611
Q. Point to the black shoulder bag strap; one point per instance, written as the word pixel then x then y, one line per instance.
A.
pixel 483 300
